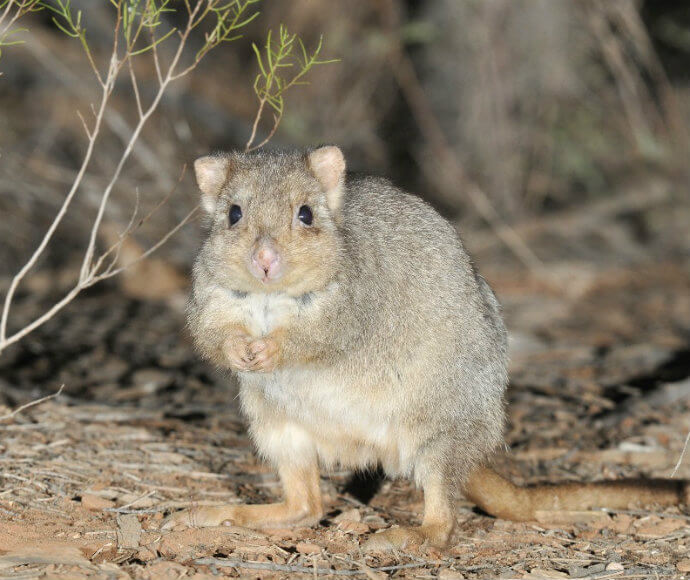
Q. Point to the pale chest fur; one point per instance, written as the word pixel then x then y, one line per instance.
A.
pixel 265 312
pixel 259 313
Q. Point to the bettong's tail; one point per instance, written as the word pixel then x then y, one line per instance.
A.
pixel 503 499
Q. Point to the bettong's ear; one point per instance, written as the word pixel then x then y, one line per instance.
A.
pixel 211 174
pixel 327 164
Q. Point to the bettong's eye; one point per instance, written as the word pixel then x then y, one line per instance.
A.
pixel 235 214
pixel 305 215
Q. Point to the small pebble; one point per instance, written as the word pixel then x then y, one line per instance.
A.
pixel 614 567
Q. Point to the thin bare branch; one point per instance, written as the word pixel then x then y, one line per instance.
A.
pixel 32 404
pixel 135 88
pixel 255 125
pixel 83 122
pixel 147 253
pixel 52 311
pixel 117 246
pixel 682 456
pixel 132 225
pixel 61 212
pixel 156 59
pixel 88 255
pixel 276 121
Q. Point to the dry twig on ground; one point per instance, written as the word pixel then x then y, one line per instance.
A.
pixel 31 404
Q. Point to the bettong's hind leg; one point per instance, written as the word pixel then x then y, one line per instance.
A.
pixel 301 505
pixel 437 524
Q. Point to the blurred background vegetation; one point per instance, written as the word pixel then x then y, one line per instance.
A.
pixel 502 113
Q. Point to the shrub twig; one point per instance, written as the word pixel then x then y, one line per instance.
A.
pixel 133 18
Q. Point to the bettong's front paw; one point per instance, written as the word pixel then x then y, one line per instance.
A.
pixel 237 352
pixel 247 354
pixel 265 353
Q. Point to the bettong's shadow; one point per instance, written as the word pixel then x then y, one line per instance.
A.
pixel 364 485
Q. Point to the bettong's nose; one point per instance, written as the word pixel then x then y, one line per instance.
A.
pixel 266 262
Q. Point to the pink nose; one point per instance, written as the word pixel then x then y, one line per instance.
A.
pixel 266 262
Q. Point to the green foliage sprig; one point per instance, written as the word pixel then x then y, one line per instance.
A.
pixel 230 17
pixel 10 12
pixel 283 64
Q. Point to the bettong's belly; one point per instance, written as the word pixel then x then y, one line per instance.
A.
pixel 348 426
